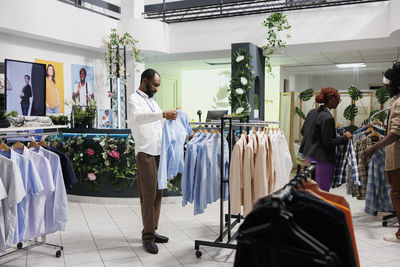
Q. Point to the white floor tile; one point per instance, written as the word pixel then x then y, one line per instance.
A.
pixel 82 258
pixel 128 262
pixel 160 259
pixel 117 253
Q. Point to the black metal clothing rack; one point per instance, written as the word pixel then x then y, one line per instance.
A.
pixel 16 132
pixel 229 224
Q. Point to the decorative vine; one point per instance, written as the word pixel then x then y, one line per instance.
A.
pixel 275 24
pixel 115 66
pixel 241 82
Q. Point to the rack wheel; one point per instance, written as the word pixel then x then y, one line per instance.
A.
pixel 384 223
pixel 58 253
pixel 19 245
pixel 199 253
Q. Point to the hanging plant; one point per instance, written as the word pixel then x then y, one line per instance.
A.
pixel 275 24
pixel 241 82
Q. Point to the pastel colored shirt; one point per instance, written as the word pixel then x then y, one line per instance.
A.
pixel 32 185
pixel 36 225
pixel 174 136
pixel 56 209
pixel 12 180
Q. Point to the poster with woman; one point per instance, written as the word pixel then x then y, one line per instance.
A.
pixel 54 86
pixel 82 78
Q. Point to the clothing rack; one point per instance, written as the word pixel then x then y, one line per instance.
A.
pixel 392 214
pixel 15 132
pixel 219 242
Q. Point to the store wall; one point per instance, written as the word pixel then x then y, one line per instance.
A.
pixel 343 81
pixel 205 90
pixel 27 49
pixel 272 94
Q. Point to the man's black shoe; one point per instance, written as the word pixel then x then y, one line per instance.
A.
pixel 150 247
pixel 160 238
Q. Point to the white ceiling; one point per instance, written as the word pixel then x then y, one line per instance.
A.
pixel 304 62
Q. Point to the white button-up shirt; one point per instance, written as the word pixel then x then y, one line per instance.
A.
pixel 146 121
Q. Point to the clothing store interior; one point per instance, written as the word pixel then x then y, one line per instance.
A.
pixel 200 133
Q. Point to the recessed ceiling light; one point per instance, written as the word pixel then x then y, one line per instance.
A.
pixel 351 65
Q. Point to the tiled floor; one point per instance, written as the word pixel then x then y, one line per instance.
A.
pixel 109 235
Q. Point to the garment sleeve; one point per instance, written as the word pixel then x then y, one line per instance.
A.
pixel 327 128
pixel 29 91
pixel 235 172
pixel 139 117
pixel 395 120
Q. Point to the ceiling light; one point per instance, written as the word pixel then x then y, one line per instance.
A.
pixel 351 65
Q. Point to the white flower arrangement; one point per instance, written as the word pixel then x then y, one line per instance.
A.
pixel 239 110
pixel 239 91
pixel 239 58
pixel 243 80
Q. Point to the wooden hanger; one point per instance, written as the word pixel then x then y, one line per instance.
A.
pixel 370 129
pixel 376 121
pixel 374 133
pixel 33 144
pixel 42 143
pixel 4 147
pixel 18 145
pixel 259 130
pixel 253 130
pixel 339 125
pixel 212 131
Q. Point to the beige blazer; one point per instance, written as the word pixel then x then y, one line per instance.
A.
pixel 236 175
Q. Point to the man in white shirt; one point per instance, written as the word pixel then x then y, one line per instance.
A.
pixel 83 92
pixel 146 121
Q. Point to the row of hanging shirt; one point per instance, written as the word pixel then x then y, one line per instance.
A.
pixel 34 200
pixel 201 177
pixel 260 164
pixel 365 177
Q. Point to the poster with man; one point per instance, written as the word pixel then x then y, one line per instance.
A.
pixel 54 86
pixel 105 118
pixel 82 78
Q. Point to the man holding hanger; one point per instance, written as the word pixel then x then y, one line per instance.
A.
pixel 391 141
pixel 146 122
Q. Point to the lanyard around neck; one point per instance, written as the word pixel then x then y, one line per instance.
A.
pixel 151 108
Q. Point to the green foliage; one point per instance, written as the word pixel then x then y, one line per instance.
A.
pixel 84 116
pixel 10 115
pixel 306 94
pixel 241 82
pixel 381 116
pixel 350 112
pixel 354 93
pixel 300 113
pixel 382 95
pixel 59 119
pixel 100 156
pixel 275 24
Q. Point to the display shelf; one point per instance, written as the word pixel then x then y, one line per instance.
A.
pixel 24 129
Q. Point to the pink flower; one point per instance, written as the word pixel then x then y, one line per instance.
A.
pixel 91 151
pixel 110 95
pixel 114 154
pixel 91 176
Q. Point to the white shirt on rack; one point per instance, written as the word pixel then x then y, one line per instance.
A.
pixel 3 192
pixel 36 226
pixel 12 181
pixel 145 119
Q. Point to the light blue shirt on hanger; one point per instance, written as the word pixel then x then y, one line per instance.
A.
pixel 174 136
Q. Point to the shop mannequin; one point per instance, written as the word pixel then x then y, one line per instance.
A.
pixel 391 141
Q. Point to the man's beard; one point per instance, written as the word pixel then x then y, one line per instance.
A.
pixel 149 92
